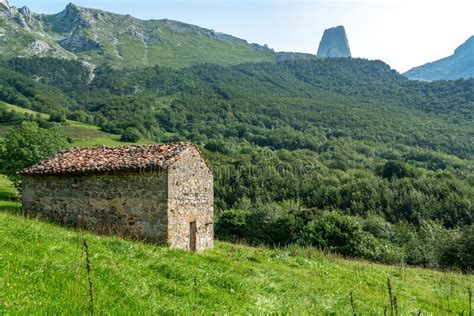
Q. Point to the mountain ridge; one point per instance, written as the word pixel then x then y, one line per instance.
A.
pixel 103 38
pixel 457 66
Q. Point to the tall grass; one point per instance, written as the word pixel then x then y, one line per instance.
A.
pixel 44 271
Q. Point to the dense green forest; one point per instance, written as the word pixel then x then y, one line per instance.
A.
pixel 342 154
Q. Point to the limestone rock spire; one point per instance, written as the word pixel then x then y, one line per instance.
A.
pixel 334 43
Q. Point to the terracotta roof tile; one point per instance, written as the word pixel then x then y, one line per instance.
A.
pixel 103 159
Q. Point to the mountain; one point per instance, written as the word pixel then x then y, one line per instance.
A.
pixel 459 65
pixel 334 43
pixel 102 38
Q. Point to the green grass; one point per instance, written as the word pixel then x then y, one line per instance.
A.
pixel 9 199
pixel 43 271
pixel 7 191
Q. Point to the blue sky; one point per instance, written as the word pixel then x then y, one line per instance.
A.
pixel 402 33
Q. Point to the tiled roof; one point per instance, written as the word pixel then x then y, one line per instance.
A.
pixel 103 159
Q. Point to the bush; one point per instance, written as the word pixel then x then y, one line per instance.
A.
pixel 379 227
pixel 131 135
pixel 276 224
pixel 57 117
pixel 423 245
pixel 460 252
pixel 271 224
pixel 231 224
pixel 344 234
pixel 335 232
pixel 9 116
pixel 26 145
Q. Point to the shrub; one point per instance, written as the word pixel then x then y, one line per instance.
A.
pixel 379 227
pixel 276 223
pixel 424 245
pixel 271 224
pixel 231 224
pixel 26 145
pixel 344 234
pixel 335 232
pixel 131 134
pixel 460 252
pixel 9 116
pixel 57 117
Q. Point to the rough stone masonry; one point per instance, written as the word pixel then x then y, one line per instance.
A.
pixel 158 193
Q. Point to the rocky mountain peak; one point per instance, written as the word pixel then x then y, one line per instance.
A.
pixel 334 43
pixel 24 17
pixel 5 9
pixel 467 47
pixel 25 11
pixel 4 3
pixel 71 19
pixel 71 10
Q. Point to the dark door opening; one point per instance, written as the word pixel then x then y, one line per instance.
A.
pixel 192 236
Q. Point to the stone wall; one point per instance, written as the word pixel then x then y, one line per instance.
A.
pixel 126 203
pixel 190 199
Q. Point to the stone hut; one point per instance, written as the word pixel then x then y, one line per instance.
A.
pixel 158 193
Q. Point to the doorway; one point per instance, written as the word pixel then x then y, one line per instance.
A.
pixel 192 236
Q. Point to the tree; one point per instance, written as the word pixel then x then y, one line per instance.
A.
pixel 131 134
pixel 397 169
pixel 459 253
pixel 57 117
pixel 26 145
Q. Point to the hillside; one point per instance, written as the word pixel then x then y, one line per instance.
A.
pixel 101 38
pixel 457 66
pixel 81 134
pixel 296 144
pixel 42 262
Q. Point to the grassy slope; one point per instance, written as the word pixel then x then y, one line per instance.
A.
pixel 174 44
pixel 43 271
pixel 192 49
pixel 81 133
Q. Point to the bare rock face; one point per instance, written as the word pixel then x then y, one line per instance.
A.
pixel 71 19
pixel 5 9
pixel 24 17
pixel 334 43
pixel 38 47
pixel 77 43
pixel 4 3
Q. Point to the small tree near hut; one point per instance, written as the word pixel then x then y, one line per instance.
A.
pixel 26 145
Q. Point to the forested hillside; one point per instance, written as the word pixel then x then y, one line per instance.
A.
pixel 343 154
